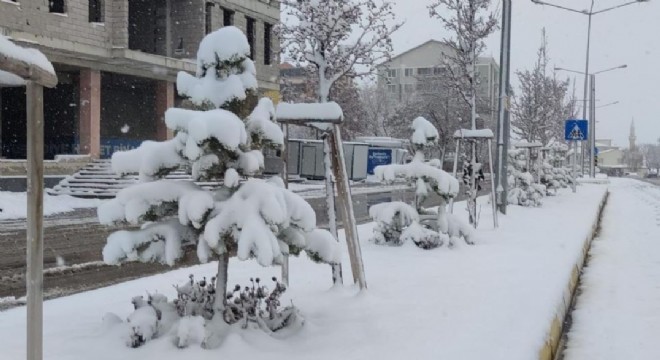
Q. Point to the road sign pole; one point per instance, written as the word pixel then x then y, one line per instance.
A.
pixel 575 166
pixel 592 127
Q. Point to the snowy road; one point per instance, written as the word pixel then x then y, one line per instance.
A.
pixel 617 315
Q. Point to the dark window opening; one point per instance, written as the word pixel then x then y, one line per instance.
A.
pixel 96 11
pixel 56 6
pixel 268 29
pixel 227 17
pixel 208 17
pixel 250 34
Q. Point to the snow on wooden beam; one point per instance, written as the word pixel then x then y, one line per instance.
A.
pixel 526 144
pixel 303 114
pixel 473 134
pixel 29 64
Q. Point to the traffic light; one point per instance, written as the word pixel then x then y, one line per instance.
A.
pixel 595 160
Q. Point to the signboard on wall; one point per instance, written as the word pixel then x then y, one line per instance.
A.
pixel 110 145
pixel 378 157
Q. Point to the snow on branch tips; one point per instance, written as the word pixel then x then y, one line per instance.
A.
pixel 225 73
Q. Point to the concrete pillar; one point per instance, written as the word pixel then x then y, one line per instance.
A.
pixel 164 100
pixel 90 113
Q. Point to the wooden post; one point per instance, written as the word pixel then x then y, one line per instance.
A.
pixel 492 183
pixel 337 276
pixel 285 178
pixel 458 146
pixel 348 215
pixel 35 249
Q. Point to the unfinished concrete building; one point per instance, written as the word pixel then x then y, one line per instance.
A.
pixel 117 62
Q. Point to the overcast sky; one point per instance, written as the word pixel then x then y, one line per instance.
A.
pixel 630 35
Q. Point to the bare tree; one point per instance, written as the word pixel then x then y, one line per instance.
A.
pixel 470 22
pixel 338 38
pixel 539 111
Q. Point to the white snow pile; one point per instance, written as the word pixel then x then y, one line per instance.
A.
pixel 30 56
pixel 13 205
pixel 473 134
pixel 329 111
pixel 224 69
pixel 423 132
pixel 261 123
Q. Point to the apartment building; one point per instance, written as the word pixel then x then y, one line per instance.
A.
pixel 117 62
pixel 421 69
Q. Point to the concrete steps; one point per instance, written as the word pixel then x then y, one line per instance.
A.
pixel 98 180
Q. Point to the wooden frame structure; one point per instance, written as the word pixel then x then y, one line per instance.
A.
pixel 36 79
pixel 327 118
pixel 474 136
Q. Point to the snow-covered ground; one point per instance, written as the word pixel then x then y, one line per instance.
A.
pixel 494 300
pixel 14 204
pixel 617 316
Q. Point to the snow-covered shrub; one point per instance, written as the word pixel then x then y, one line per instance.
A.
pixel 397 223
pixel 391 220
pixel 221 139
pixel 523 190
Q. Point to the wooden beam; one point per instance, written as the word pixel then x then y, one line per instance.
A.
pixel 348 214
pixel 35 231
pixel 28 71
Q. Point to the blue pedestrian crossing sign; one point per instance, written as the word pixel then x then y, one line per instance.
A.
pixel 576 130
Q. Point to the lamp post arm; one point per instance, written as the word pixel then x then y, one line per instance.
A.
pixel 614 7
pixel 583 12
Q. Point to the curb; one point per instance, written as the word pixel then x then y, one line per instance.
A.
pixel 554 339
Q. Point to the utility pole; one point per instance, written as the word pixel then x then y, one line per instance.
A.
pixel 503 113
pixel 592 127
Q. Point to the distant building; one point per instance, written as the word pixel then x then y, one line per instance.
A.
pixel 117 62
pixel 409 73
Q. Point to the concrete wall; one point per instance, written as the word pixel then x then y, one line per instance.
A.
pixel 32 16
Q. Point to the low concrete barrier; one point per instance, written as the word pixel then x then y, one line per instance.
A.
pixel 554 341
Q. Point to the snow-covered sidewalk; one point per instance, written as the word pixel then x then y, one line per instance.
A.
pixel 494 300
pixel 13 205
pixel 617 316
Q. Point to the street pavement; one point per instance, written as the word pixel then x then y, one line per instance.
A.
pixel 76 238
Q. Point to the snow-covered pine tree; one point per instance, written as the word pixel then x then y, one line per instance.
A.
pixel 251 219
pixel 426 178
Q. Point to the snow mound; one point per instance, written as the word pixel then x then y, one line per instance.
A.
pixel 424 133
pixel 260 123
pixel 396 211
pixel 30 56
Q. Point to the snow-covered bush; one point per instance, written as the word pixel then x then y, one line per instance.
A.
pixel 185 317
pixel 523 190
pixel 392 219
pixel 246 217
pixel 397 223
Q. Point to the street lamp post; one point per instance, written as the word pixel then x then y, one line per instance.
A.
pixel 590 13
pixel 592 113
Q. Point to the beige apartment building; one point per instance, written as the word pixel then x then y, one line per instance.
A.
pixel 415 71
pixel 117 62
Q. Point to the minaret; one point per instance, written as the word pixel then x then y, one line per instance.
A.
pixel 632 136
